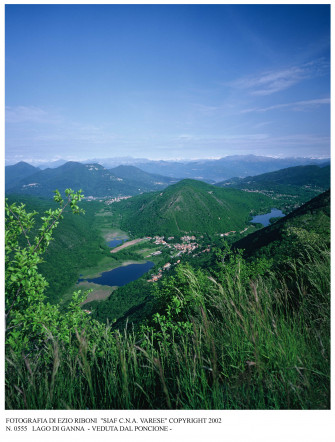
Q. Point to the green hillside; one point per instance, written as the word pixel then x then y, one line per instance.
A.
pixel 312 176
pixel 289 187
pixel 310 223
pixel 190 206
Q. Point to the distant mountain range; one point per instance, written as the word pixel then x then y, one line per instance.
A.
pixel 311 176
pixel 127 180
pixel 93 179
pixel 225 168
pixel 143 181
pixel 203 169
pixel 190 206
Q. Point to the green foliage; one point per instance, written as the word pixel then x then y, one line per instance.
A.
pixel 28 318
pixel 77 244
pixel 121 301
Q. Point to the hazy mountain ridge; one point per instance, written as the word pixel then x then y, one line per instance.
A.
pixel 93 179
pixel 144 180
pixel 311 175
pixel 212 170
pixel 224 168
pixel 17 172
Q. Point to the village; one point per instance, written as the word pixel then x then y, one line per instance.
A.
pixel 187 245
pixel 106 199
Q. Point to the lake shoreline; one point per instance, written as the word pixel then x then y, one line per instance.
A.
pixel 264 219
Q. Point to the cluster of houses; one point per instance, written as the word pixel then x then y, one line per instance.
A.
pixel 166 266
pixel 116 199
pixel 186 246
pixel 106 199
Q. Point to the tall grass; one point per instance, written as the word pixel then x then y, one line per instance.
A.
pixel 256 344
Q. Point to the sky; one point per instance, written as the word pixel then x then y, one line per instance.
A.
pixel 166 81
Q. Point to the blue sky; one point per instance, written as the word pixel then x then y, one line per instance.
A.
pixel 166 81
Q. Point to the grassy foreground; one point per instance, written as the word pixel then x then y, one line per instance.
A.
pixel 234 341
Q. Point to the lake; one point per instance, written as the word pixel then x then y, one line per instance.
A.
pixel 265 219
pixel 115 242
pixel 121 275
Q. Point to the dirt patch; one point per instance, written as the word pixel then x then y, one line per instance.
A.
pixel 127 244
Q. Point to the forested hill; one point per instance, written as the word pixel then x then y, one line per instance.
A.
pixel 312 176
pixel 190 206
pixel 310 223
pixel 17 172
pixel 93 179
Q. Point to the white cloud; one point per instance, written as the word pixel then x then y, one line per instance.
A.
pixel 270 82
pixel 29 114
pixel 297 105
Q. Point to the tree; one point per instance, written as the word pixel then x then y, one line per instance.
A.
pixel 29 320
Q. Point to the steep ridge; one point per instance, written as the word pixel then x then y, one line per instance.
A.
pixel 311 222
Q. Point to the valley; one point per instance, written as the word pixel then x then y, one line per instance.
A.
pixel 188 218
pixel 158 261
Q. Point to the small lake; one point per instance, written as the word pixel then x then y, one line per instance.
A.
pixel 265 219
pixel 121 275
pixel 115 242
